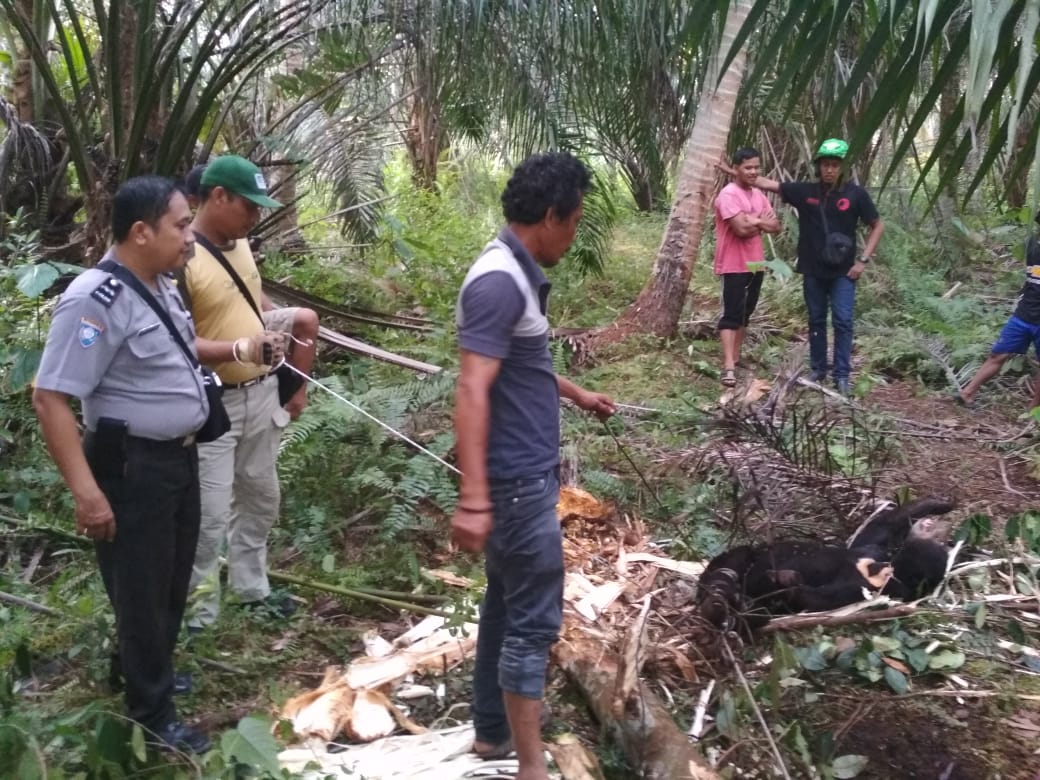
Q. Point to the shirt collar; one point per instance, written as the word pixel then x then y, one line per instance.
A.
pixel 532 270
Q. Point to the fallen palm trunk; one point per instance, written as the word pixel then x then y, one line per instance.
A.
pixel 654 745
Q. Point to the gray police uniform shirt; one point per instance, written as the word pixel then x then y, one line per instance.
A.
pixel 109 349
pixel 501 314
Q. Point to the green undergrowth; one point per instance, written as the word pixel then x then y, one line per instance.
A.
pixel 363 510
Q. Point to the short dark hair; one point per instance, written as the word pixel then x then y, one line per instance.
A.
pixel 554 180
pixel 140 199
pixel 744 154
pixel 193 181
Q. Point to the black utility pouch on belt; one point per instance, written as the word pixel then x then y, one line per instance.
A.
pixel 106 448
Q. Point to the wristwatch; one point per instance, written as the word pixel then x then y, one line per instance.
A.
pixel 864 259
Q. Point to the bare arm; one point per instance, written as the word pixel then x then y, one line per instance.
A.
pixel 769 185
pixel 212 352
pixel 768 222
pixel 250 349
pixel 472 521
pixel 94 516
pixel 305 344
pixel 744 225
pixel 877 228
pixel 598 403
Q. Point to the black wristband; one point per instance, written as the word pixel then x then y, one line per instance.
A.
pixel 474 510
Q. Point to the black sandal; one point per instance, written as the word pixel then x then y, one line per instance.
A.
pixel 729 377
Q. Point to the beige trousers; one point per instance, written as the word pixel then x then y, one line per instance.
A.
pixel 240 500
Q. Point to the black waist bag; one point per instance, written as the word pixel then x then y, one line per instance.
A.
pixel 288 383
pixel 838 251
pixel 218 423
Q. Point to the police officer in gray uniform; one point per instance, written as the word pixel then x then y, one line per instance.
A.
pixel 135 477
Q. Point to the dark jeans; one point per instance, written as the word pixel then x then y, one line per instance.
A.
pixel 147 566
pixel 840 295
pixel 523 606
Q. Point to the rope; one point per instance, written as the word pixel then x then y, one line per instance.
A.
pixel 445 463
pixel 371 417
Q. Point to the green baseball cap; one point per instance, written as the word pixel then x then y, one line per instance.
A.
pixel 832 147
pixel 238 175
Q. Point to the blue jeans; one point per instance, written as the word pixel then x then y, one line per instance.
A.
pixel 840 293
pixel 522 611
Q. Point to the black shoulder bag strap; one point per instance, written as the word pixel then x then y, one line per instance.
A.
pixel 126 276
pixel 823 213
pixel 212 249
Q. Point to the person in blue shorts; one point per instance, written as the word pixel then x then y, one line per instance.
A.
pixel 1021 330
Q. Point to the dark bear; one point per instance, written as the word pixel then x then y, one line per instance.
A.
pixel 894 553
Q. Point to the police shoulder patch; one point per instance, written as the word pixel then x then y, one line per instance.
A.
pixel 107 292
pixel 88 332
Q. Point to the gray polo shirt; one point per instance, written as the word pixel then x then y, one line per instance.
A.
pixel 110 350
pixel 501 314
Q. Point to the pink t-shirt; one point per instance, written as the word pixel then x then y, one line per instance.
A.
pixel 733 253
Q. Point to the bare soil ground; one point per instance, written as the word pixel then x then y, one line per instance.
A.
pixel 970 454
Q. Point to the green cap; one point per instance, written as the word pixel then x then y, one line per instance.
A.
pixel 832 147
pixel 238 175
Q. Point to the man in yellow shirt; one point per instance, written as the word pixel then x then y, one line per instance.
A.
pixel 238 478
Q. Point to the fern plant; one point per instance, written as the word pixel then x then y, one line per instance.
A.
pixel 348 466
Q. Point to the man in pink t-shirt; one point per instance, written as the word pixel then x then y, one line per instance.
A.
pixel 742 214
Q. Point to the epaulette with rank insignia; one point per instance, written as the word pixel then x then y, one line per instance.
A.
pixel 107 292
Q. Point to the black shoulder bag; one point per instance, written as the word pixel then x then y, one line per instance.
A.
pixel 218 423
pixel 838 249
pixel 288 380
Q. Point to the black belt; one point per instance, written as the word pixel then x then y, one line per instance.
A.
pixel 162 444
pixel 249 383
pixel 153 444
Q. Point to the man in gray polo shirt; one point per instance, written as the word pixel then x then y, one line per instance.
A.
pixel 507 427
pixel 134 478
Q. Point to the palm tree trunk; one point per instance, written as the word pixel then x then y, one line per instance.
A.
pixel 424 140
pixel 659 305
pixel 22 94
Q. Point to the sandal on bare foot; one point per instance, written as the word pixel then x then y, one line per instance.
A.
pixel 729 377
pixel 504 749
pixel 497 752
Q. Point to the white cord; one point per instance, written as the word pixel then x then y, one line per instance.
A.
pixel 376 420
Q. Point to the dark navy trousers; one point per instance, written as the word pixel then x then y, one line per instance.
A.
pixel 147 566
